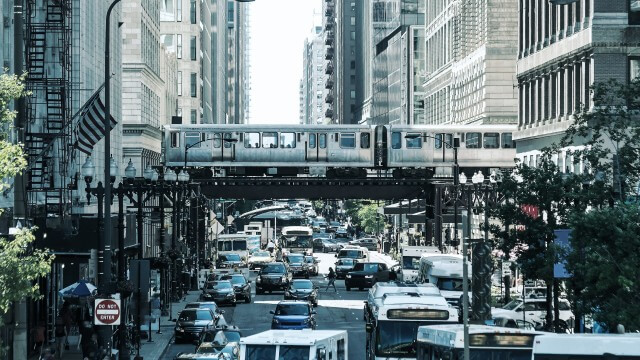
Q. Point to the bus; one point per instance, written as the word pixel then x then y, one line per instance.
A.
pixel 393 326
pixel 297 239
pixel 587 346
pixel 485 342
pixel 233 244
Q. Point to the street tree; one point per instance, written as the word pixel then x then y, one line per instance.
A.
pixel 370 219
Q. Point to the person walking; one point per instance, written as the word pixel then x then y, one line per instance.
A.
pixel 332 279
pixel 61 334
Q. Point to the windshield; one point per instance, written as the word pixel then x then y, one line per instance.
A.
pixel 261 254
pixel 260 352
pixel 293 309
pixel 347 261
pixel 273 269
pixel 309 259
pixel 217 285
pixel 195 315
pixel 289 352
pixel 298 241
pixel 354 254
pixel 450 284
pixel 398 338
pixel 366 267
pixel 232 336
pixel 240 245
pixel 302 285
pixel 410 262
pixel 512 305
pixel 238 280
pixel 232 245
pixel 295 258
pixel 231 257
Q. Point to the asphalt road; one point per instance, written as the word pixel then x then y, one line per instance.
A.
pixel 341 311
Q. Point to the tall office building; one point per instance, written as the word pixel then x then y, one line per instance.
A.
pixel 219 60
pixel 237 61
pixel 471 49
pixel 315 98
pixel 185 27
pixel 563 50
pixel 329 24
pixel 364 61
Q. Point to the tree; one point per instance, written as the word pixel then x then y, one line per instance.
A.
pixel 604 263
pixel 369 218
pixel 20 264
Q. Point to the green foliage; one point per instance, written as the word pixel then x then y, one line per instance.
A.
pixel 369 218
pixel 11 87
pixel 605 262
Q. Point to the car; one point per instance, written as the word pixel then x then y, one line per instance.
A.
pixel 218 314
pixel 194 356
pixel 366 274
pixel 259 259
pixel 344 266
pixel 534 311
pixel 302 289
pixel 229 261
pixel 357 253
pixel 312 264
pixel 220 291
pixel 294 315
pixel 232 333
pixel 241 286
pixel 370 244
pixel 330 245
pixel 191 323
pixel 274 276
pixel 297 265
pixel 220 344
pixel 333 226
pixel 342 233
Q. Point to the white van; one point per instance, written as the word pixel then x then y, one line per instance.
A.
pixel 295 344
pixel 357 253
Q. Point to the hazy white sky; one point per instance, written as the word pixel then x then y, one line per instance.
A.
pixel 278 30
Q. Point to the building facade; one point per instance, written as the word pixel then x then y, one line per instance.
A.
pixel 219 60
pixel 563 50
pixel 237 65
pixel 315 98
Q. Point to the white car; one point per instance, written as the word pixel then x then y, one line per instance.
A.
pixel 258 259
pixel 535 310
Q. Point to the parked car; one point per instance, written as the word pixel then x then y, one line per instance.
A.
pixel 220 291
pixel 259 259
pixel 365 275
pixel 535 310
pixel 191 323
pixel 312 264
pixel 274 276
pixel 302 289
pixel 297 266
pixel 370 244
pixel 293 315
pixel 344 266
pixel 241 286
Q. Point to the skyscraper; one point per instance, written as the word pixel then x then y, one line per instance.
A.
pixel 316 99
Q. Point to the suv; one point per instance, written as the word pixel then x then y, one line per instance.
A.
pixel 229 261
pixel 534 310
pixel 302 289
pixel 274 276
pixel 192 322
pixel 241 286
pixel 352 252
pixel 344 266
pixel 297 265
pixel 220 291
pixel 312 264
pixel 293 315
pixel 365 275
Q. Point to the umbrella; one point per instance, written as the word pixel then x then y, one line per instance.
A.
pixel 80 289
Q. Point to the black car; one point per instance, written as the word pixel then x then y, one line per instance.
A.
pixel 211 305
pixel 344 266
pixel 241 286
pixel 365 275
pixel 220 291
pixel 191 323
pixel 229 261
pixel 312 264
pixel 302 289
pixel 232 333
pixel 297 266
pixel 274 276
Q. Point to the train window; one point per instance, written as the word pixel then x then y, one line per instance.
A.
pixel 491 140
pixel 252 140
pixel 270 140
pixel 414 143
pixel 287 140
pixel 216 140
pixel 348 141
pixel 227 144
pixel 175 139
pixel 396 140
pixel 312 141
pixel 507 141
pixel 473 140
pixel 322 141
pixel 191 139
pixel 365 142
pixel 438 141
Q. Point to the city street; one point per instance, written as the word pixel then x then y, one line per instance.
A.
pixel 341 311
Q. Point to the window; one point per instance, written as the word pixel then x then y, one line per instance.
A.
pixel 194 116
pixel 507 141
pixel 191 138
pixel 353 35
pixel 634 12
pixel 353 20
pixel 252 140
pixel 312 141
pixel 287 140
pixel 167 40
pixel 353 64
pixel 322 141
pixel 414 143
pixel 341 350
pixel 290 352
pixel 396 140
pixel 193 47
pixel 217 141
pixel 491 140
pixel 448 139
pixel 179 10
pixel 192 11
pixel 365 140
pixel 634 68
pixel 168 11
pixel 194 85
pixel 353 94
pixel 179 45
pixel 348 141
pixel 179 83
pixel 175 139
pixel 473 140
pixel 270 140
pixel 227 144
pixel 259 352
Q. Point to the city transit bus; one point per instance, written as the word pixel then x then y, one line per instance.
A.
pixel 297 239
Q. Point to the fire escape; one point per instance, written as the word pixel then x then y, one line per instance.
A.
pixel 48 130
pixel 329 26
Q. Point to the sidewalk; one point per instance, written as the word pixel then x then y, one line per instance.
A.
pixel 148 350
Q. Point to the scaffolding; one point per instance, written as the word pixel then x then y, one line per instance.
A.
pixel 47 143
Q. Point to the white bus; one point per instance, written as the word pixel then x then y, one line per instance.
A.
pixel 445 272
pixel 297 239
pixel 411 260
pixel 587 347
pixel 304 344
pixel 233 244
pixel 485 342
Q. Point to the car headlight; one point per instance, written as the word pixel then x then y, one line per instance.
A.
pixel 230 295
pixel 305 321
pixel 284 278
pixel 348 276
pixel 275 321
pixel 368 277
pixel 259 279
pixel 179 329
pixel 286 293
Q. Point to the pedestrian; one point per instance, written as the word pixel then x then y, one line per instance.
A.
pixel 39 337
pixel 60 331
pixel 332 279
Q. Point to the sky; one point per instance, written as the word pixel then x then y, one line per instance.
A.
pixel 278 31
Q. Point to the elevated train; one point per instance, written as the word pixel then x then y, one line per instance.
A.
pixel 338 150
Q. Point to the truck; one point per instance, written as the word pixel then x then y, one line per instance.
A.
pixel 379 290
pixel 233 244
pixel 445 272
pixel 256 228
pixel 411 260
pixel 295 344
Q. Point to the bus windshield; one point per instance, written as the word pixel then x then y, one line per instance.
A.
pixel 232 245
pixel 398 338
pixel 298 241
pixel 260 352
pixel 410 262
pixel 449 284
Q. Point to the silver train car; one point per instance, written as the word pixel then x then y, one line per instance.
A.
pixel 337 151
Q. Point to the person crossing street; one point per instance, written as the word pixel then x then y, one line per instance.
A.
pixel 332 279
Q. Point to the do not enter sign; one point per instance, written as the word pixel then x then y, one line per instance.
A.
pixel 107 312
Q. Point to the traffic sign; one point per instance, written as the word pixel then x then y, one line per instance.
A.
pixel 107 312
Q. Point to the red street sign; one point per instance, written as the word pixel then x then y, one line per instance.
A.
pixel 107 312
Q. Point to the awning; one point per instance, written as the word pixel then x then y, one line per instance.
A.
pixel 418 218
pixel 404 207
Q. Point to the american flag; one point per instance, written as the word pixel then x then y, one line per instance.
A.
pixel 91 127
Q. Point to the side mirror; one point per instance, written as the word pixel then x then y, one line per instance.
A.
pixel 369 327
pixel 221 312
pixel 272 312
pixel 174 320
pixel 313 312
